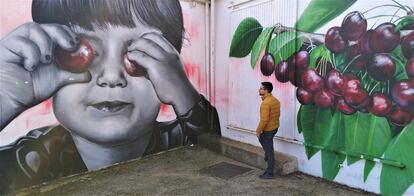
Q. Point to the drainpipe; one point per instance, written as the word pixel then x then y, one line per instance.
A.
pixel 207 48
pixel 212 64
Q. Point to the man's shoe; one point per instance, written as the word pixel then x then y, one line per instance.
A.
pixel 266 176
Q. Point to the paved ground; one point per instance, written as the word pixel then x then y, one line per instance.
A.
pixel 182 172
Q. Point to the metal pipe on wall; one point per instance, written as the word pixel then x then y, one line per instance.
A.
pixel 212 54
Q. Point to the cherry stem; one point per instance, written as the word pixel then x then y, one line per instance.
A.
pixel 402 18
pixel 384 15
pixel 395 14
pixel 363 76
pixel 375 23
pixel 388 87
pixel 386 5
pixel 373 88
pixel 402 6
pixel 350 62
pixel 334 59
pixel 268 41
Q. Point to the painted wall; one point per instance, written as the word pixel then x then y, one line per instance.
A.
pixel 107 84
pixel 15 13
pixel 240 115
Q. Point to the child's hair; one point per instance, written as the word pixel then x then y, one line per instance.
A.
pixel 165 15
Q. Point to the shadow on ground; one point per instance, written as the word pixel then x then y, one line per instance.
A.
pixel 189 170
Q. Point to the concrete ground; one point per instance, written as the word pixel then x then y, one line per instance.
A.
pixel 177 172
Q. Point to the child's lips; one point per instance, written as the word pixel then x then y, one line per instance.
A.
pixel 111 106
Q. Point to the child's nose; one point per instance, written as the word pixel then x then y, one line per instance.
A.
pixel 112 76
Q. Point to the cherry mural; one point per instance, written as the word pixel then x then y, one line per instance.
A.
pixel 355 85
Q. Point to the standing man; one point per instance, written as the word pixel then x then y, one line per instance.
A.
pixel 268 125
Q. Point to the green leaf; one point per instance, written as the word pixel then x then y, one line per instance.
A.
pixel 351 160
pixel 244 37
pixel 366 134
pixel 369 165
pixel 284 45
pixel 339 60
pixel 319 12
pixel 320 51
pixel 399 60
pixel 394 180
pixel 331 164
pixel 298 120
pixel 260 44
pixel 406 20
pixel 331 159
pixel 316 128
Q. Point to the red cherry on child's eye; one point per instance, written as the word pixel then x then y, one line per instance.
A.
pixel 132 68
pixel 77 61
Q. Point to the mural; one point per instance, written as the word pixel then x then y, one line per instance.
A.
pixel 355 84
pixel 108 66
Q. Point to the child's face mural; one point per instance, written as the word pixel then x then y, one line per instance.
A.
pixel 113 107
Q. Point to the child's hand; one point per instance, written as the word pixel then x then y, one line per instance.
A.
pixel 28 74
pixel 165 70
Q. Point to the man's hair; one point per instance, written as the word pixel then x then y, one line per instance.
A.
pixel 165 15
pixel 267 86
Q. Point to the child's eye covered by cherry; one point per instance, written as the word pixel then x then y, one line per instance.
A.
pixel 80 59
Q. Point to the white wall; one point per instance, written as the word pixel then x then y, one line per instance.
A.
pixel 237 85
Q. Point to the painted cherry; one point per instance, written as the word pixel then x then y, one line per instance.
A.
pixel 282 72
pixel 399 117
pixel 384 38
pixel 349 76
pixel 403 94
pixel 334 41
pixel 353 26
pixel 324 99
pixel 267 64
pixel 409 67
pixel 342 106
pixel 77 61
pixel 312 81
pixel 407 45
pixel 381 67
pixel 334 81
pixel 304 96
pixel 363 43
pixel 379 104
pixel 299 61
pixel 354 95
pixel 359 61
pixel 132 68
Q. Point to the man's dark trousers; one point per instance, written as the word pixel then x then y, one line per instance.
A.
pixel 266 140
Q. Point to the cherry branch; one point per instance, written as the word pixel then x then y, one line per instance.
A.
pixel 315 38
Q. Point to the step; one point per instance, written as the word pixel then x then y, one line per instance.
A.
pixel 248 154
